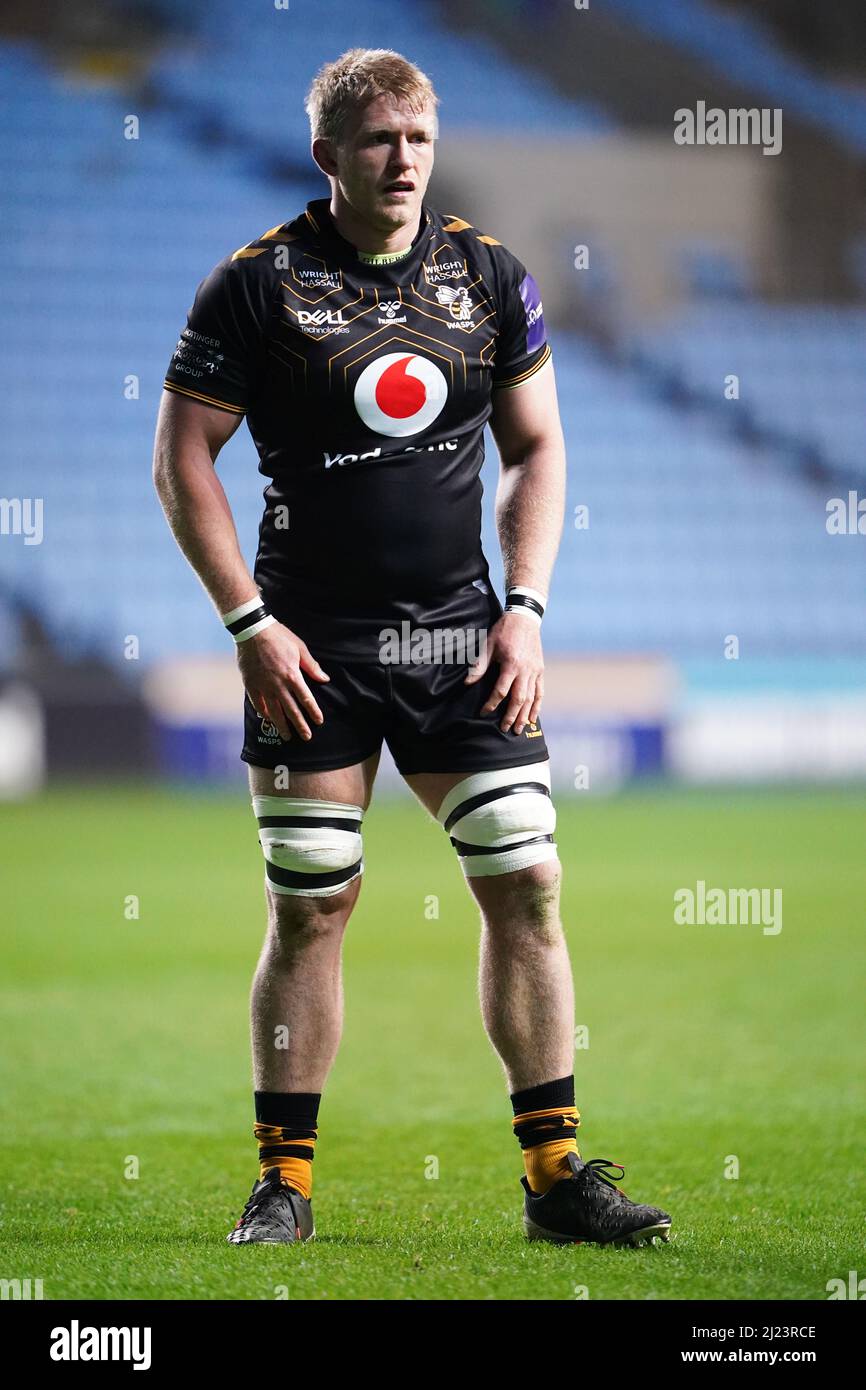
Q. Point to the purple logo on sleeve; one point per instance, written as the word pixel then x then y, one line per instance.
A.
pixel 531 296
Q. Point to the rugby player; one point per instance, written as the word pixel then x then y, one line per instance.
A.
pixel 368 341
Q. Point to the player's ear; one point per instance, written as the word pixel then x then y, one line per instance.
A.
pixel 323 153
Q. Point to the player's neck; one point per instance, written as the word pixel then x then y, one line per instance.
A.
pixel 367 238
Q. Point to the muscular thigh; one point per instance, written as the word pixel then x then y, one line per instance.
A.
pixel 431 788
pixel 353 785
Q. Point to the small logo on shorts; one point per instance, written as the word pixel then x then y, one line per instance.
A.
pixel 532 731
pixel 269 732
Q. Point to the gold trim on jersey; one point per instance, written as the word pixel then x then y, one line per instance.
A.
pixel 456 224
pixel 274 233
pixel 252 248
pixel 524 376
pixel 208 400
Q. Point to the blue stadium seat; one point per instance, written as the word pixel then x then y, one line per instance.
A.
pixel 692 534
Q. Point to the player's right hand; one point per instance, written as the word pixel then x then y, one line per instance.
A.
pixel 272 666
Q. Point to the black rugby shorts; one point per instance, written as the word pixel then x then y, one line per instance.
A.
pixel 430 720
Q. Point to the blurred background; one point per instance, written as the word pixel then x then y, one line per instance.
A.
pixel 705 645
pixel 706 305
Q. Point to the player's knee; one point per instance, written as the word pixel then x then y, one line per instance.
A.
pixel 524 904
pixel 313 854
pixel 502 822
pixel 535 888
pixel 296 919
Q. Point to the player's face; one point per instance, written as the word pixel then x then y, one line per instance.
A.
pixel 384 162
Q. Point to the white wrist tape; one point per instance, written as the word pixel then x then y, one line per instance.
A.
pixel 521 599
pixel 247 619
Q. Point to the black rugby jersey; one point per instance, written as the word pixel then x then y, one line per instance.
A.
pixel 366 388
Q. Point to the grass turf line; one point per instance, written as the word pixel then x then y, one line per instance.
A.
pixel 129 1038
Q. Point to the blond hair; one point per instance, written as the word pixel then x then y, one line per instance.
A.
pixel 356 78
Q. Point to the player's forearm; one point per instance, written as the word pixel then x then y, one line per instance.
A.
pixel 198 512
pixel 530 511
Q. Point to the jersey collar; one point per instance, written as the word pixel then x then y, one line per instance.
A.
pixel 323 226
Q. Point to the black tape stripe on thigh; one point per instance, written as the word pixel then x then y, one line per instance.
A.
pixel 314 822
pixel 462 848
pixel 493 794
pixel 296 878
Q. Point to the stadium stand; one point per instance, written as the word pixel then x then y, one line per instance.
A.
pixel 258 83
pixel 744 50
pixel 691 534
pixel 801 370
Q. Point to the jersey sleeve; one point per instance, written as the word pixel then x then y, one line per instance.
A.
pixel 521 345
pixel 219 352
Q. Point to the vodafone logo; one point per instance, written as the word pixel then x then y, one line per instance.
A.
pixel 400 394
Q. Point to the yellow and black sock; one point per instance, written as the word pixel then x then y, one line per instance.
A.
pixel 545 1122
pixel 286 1128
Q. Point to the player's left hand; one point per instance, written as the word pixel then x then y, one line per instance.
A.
pixel 515 643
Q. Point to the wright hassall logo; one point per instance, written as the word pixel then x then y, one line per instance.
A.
pixel 445 270
pixel 318 277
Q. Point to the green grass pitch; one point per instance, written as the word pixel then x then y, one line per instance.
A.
pixel 130 1038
